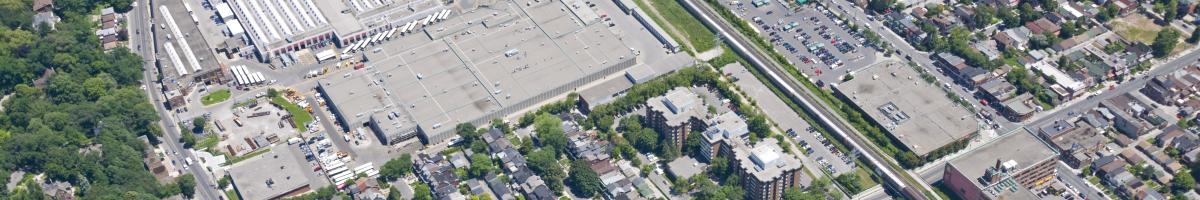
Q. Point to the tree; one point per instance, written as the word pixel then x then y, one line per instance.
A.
pixel 1183 182
pixel 224 181
pixel 480 165
pixel 467 132
pixel 880 6
pixel 1007 17
pixel 1164 42
pixel 544 163
pixel 550 133
pixel 92 100
pixel 394 194
pixel 198 125
pixel 421 192
pixel 1171 11
pixel 503 126
pixel 396 168
pixel 984 16
pixel 15 14
pixel 1050 5
pixel 187 185
pixel 188 139
pixel 850 181
pixel 910 159
pixel 272 92
pixel 1028 14
pixel 1068 30
pixel 583 181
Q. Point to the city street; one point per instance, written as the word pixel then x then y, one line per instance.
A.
pixel 146 46
pixel 1073 179
pixel 1138 81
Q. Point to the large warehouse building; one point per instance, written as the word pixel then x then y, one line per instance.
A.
pixel 480 65
pixel 913 111
pixel 276 27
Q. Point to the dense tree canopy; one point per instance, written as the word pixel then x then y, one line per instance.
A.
pixel 91 101
pixel 1164 42
pixel 550 133
pixel 544 163
pixel 583 181
pixel 396 168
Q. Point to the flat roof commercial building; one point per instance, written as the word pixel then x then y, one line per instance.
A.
pixel 281 26
pixel 272 175
pixel 1003 169
pixel 915 112
pixel 520 55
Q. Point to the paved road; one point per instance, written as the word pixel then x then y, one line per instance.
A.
pixel 893 175
pixel 1173 65
pixel 1078 183
pixel 144 45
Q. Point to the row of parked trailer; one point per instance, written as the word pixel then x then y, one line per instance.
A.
pixel 405 29
pixel 245 77
pixel 338 171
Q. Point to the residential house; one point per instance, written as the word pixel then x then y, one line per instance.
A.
pixel 1042 26
pixel 1173 88
pixel 1017 38
pixel 1125 111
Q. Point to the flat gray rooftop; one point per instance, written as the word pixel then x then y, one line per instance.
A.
pixel 1022 147
pixel 916 112
pixel 483 61
pixel 281 168
pixel 765 160
pixel 685 167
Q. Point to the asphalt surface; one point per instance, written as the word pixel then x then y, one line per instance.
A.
pixel 892 175
pixel 786 118
pixel 773 18
pixel 145 45
pixel 1078 183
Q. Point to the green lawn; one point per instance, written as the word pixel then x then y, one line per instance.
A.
pixel 671 14
pixel 232 195
pixel 215 97
pixel 208 142
pixel 864 178
pixel 299 115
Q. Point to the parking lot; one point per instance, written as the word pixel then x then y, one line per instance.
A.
pixel 811 37
pixel 817 147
